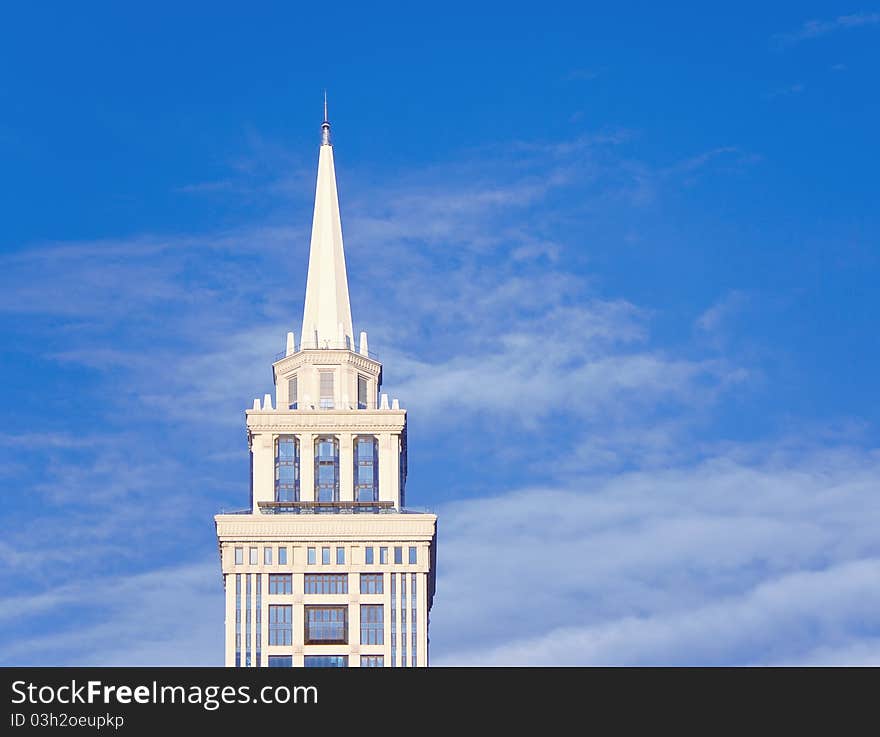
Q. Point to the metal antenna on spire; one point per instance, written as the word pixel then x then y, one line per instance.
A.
pixel 325 126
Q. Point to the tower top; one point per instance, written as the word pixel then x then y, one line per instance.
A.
pixel 327 314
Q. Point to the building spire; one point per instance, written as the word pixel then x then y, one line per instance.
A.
pixel 325 126
pixel 327 313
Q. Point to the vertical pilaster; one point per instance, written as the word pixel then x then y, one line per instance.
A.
pixel 307 467
pixel 229 584
pixel 346 467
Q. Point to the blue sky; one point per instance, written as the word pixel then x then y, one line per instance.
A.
pixel 620 266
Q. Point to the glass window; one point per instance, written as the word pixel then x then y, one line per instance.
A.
pixel 372 624
pixel 286 468
pixel 372 661
pixel 238 620
pixel 383 556
pixel 325 661
pixel 239 556
pixel 325 556
pixel 282 556
pixel 326 389
pixel 398 554
pixel 326 624
pixel 267 556
pixel 280 624
pixel 366 469
pixel 371 583
pixel 254 556
pixel 340 556
pixel 281 661
pixel 362 392
pixel 327 469
pixel 326 583
pixel 312 558
pixel 292 393
pixel 413 555
pixel 368 555
pixel 280 583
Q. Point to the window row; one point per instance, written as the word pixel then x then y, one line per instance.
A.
pixel 327 555
pixel 326 625
pixel 325 583
pixel 326 455
pixel 326 661
pixel 326 387
pixel 370 556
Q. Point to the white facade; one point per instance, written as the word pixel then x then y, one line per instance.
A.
pixel 326 538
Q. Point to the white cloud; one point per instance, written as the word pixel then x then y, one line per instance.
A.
pixel 816 28
pixel 768 558
pixel 171 616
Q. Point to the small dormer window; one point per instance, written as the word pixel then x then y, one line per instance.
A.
pixel 327 392
pixel 362 392
pixel 292 393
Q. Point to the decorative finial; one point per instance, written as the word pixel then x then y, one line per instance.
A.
pixel 325 126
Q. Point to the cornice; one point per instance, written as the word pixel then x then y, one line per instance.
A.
pixel 244 527
pixel 340 420
pixel 326 356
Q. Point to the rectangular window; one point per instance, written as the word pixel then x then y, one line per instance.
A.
pixel 326 625
pixel 239 556
pixel 340 556
pixel 282 556
pixel 238 619
pixel 281 661
pixel 280 583
pixel 325 661
pixel 372 661
pixel 312 559
pixel 413 555
pixel 383 556
pixel 326 389
pixel 325 556
pixel 292 397
pixel 267 556
pixel 398 555
pixel 286 468
pixel 371 583
pixel 280 624
pixel 366 467
pixel 372 624
pixel 258 612
pixel 368 555
pixel 247 620
pixel 325 583
pixel 362 392
pixel 254 556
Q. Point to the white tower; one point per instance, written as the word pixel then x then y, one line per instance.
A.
pixel 326 567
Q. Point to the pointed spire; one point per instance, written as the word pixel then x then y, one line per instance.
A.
pixel 327 313
pixel 325 126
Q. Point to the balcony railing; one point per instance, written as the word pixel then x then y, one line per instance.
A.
pixel 326 345
pixel 326 507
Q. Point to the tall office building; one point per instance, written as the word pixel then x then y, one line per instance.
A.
pixel 327 567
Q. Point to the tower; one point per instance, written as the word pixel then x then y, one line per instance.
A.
pixel 327 567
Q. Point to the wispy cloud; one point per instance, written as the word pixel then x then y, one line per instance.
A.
pixel 812 29
pixel 788 91
pixel 763 555
pixel 479 316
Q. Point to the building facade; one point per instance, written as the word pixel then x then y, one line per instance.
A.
pixel 327 567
